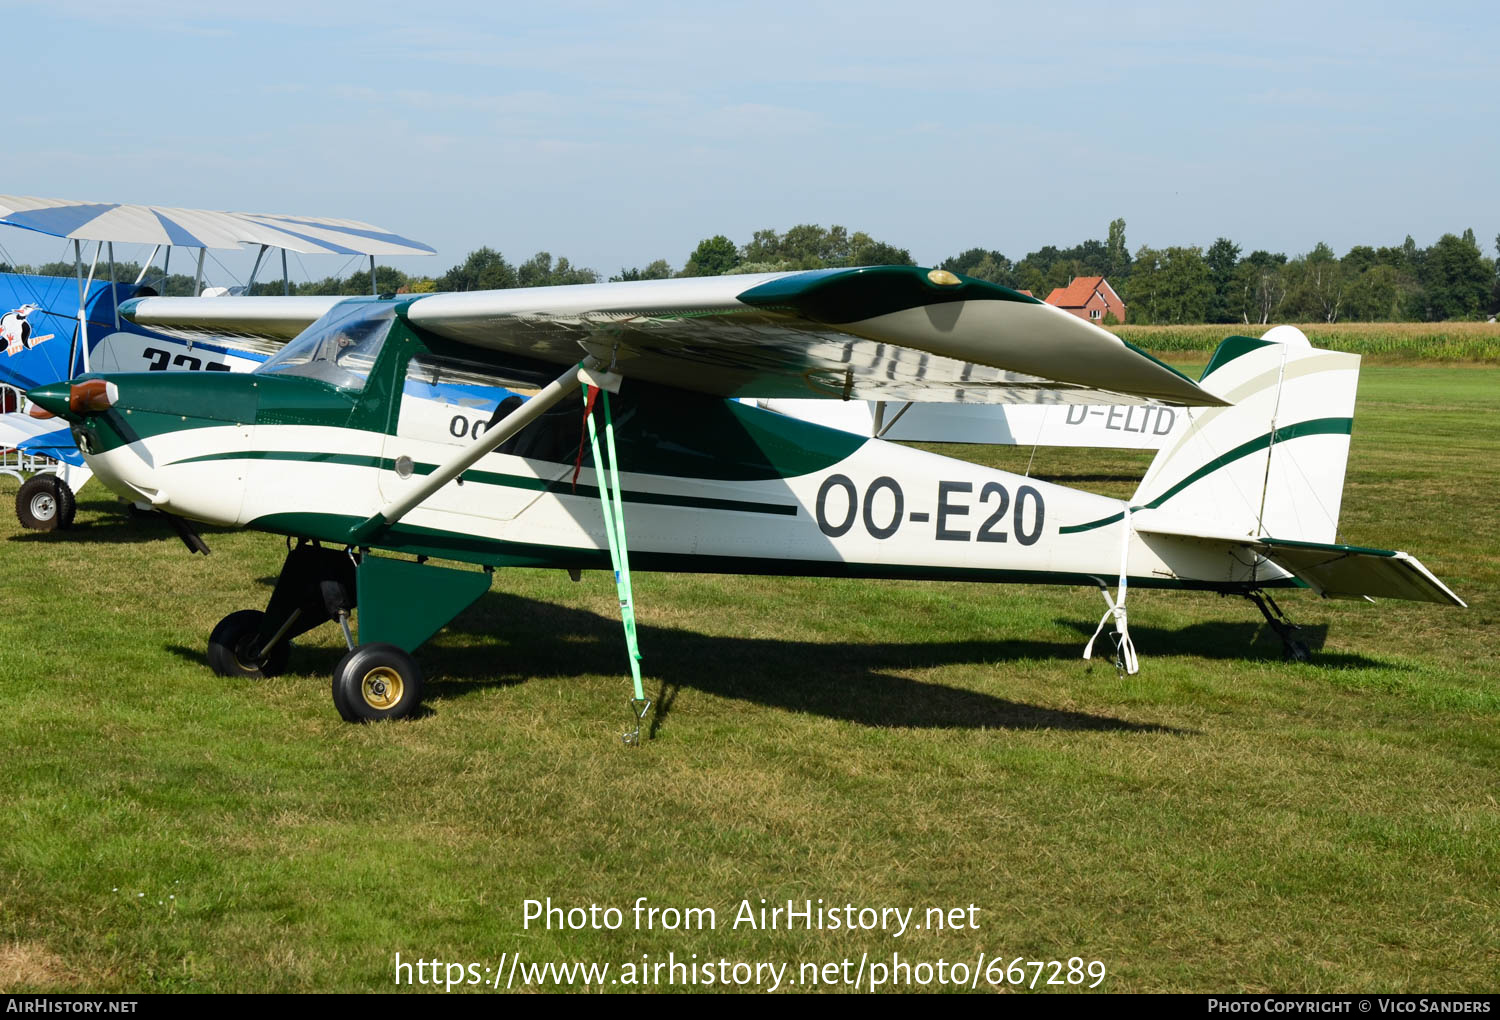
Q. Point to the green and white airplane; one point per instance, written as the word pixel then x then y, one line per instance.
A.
pixel 394 431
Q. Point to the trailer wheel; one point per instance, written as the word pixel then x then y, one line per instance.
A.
pixel 45 503
pixel 377 681
pixel 231 650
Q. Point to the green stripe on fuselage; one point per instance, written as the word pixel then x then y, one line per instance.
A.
pixel 412 540
pixel 1316 427
pixel 507 480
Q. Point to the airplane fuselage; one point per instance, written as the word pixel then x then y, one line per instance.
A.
pixel 709 486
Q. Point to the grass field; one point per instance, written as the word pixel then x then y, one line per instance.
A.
pixel 1222 821
pixel 1379 342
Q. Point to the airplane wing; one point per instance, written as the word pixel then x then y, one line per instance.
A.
pixel 201 228
pixel 1076 425
pixel 269 318
pixel 879 333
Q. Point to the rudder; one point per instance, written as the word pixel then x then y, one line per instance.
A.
pixel 1272 463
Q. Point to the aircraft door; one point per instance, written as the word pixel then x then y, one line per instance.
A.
pixel 446 403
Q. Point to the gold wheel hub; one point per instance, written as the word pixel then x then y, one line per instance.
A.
pixel 382 688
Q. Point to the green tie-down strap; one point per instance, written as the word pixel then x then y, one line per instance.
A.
pixel 614 530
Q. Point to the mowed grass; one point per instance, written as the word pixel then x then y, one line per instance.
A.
pixel 1223 820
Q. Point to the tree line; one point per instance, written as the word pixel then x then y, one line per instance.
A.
pixel 1450 279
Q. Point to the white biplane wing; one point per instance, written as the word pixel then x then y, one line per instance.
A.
pixel 33 436
pixel 880 333
pixel 19 430
pixel 1113 426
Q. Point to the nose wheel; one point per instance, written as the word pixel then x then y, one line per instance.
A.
pixel 377 681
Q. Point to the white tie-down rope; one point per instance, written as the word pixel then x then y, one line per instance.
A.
pixel 1116 609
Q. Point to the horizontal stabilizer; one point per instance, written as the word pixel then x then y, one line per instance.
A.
pixel 1333 571
pixel 1343 571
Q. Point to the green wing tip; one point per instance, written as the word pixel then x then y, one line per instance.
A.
pixel 851 295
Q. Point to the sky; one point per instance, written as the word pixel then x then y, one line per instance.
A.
pixel 619 133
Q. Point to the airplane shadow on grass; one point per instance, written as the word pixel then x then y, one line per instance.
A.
pixel 857 682
pixel 841 680
pixel 1076 478
pixel 853 681
pixel 118 527
pixel 1250 640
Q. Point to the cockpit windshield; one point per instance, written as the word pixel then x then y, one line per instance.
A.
pixel 340 348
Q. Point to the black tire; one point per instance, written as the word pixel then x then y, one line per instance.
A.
pixel 45 503
pixel 377 681
pixel 1297 651
pixel 231 651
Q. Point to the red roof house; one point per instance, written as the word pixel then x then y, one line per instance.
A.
pixel 1089 297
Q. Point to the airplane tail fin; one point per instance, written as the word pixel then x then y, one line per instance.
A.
pixel 1266 474
pixel 1272 463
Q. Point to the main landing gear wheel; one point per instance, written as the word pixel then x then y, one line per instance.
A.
pixel 376 681
pixel 232 647
pixel 45 503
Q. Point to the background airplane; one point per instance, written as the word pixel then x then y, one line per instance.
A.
pixel 73 324
pixel 1099 426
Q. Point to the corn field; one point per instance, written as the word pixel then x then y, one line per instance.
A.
pixel 1384 341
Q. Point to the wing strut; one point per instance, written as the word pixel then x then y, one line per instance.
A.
pixel 619 555
pixel 588 372
pixel 549 397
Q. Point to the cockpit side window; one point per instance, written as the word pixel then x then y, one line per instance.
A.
pixel 339 349
pixel 453 399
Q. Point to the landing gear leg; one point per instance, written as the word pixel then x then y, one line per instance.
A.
pixel 316 585
pixel 1295 649
pixel 402 604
